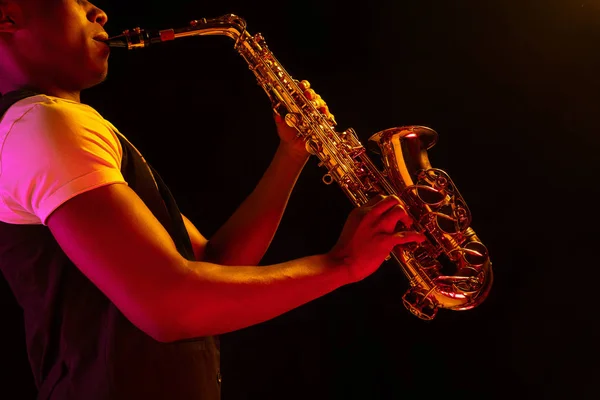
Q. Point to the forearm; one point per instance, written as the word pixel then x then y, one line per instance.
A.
pixel 213 299
pixel 247 234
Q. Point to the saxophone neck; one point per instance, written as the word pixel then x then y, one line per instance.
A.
pixel 229 25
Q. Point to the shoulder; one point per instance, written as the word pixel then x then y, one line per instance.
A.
pixel 43 125
pixel 37 109
pixel 52 150
pixel 43 113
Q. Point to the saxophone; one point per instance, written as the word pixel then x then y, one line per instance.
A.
pixel 452 268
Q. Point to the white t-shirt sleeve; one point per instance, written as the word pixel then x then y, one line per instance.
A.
pixel 51 154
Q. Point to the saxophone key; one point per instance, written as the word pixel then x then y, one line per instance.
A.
pixel 292 120
pixel 327 179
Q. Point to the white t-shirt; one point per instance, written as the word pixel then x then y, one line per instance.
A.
pixel 52 150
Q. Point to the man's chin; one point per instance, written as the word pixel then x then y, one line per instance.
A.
pixel 95 82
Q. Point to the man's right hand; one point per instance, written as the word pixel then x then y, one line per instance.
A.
pixel 370 234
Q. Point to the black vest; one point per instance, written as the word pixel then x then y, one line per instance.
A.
pixel 80 346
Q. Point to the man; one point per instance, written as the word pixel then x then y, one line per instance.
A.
pixel 117 304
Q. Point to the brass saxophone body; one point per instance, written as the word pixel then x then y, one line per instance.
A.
pixel 452 268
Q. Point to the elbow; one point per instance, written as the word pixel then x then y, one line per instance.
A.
pixel 157 327
pixel 160 331
pixel 169 330
pixel 177 310
pixel 172 324
pixel 164 332
pixel 164 337
pixel 158 319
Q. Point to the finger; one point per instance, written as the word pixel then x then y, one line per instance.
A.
pixel 324 109
pixel 310 94
pixel 332 118
pixel 389 220
pixel 406 237
pixel 374 200
pixel 304 84
pixel 381 207
pixel 319 102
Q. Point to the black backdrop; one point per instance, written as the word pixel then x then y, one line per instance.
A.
pixel 512 88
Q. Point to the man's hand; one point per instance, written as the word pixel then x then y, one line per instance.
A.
pixel 289 136
pixel 370 234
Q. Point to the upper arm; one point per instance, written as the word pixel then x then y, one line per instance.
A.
pixel 198 240
pixel 115 240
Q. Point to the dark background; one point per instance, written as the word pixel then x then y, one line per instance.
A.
pixel 513 89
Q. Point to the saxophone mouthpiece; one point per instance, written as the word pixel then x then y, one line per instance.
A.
pixel 120 41
pixel 138 38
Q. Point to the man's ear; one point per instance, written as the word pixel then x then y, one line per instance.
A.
pixel 10 15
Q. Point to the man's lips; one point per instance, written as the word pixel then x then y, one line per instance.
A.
pixel 101 37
